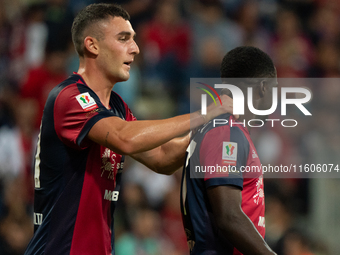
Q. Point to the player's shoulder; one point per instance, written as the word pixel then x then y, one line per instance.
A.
pixel 227 127
pixel 74 89
pixel 68 87
pixel 219 123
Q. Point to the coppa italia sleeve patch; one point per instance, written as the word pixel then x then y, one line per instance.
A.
pixel 86 102
pixel 229 153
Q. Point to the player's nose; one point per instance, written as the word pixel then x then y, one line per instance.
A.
pixel 134 48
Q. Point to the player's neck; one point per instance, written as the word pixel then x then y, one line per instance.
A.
pixel 246 117
pixel 97 81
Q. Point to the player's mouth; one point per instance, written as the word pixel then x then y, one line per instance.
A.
pixel 128 63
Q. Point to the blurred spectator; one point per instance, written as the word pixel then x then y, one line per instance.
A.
pixel 17 47
pixel 253 33
pixel 279 218
pixel 172 218
pixel 166 42
pixel 59 21
pixel 145 237
pixel 4 45
pixel 27 40
pixel 16 227
pixel 17 146
pixel 208 22
pixel 291 50
pixel 155 185
pixel 327 63
pixel 296 243
pixel 325 25
pixel 133 199
pixel 74 6
pixel 210 56
pixel 139 10
pixel 302 8
pixel 36 35
pixel 40 81
pixel 8 96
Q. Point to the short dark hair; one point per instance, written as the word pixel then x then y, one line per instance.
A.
pixel 90 15
pixel 247 62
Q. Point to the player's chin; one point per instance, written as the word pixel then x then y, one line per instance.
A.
pixel 125 76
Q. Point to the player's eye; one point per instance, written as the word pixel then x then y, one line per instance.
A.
pixel 123 38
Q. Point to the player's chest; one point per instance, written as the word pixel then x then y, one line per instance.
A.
pixel 110 164
pixel 104 166
pixel 253 158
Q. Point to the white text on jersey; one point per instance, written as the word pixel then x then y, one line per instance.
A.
pixel 111 195
pixel 38 217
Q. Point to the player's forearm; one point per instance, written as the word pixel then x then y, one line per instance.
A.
pixel 167 158
pixel 128 138
pixel 241 232
pixel 172 155
pixel 146 135
pixel 139 136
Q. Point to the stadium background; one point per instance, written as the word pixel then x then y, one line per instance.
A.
pixel 178 39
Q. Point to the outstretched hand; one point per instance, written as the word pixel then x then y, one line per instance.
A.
pixel 216 110
pixel 227 105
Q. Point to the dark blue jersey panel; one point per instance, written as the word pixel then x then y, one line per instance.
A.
pixel 201 229
pixel 237 136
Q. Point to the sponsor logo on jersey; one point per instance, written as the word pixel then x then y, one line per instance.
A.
pixel 254 154
pixel 111 195
pixel 229 153
pixel 259 196
pixel 262 222
pixel 86 101
pixel 108 164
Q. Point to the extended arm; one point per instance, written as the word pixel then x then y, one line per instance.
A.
pixel 233 223
pixel 137 136
pixel 167 158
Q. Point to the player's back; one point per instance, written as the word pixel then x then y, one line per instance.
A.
pixel 215 157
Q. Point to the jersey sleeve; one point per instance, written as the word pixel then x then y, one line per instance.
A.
pixel 76 110
pixel 224 150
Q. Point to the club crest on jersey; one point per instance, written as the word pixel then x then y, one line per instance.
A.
pixel 86 101
pixel 229 152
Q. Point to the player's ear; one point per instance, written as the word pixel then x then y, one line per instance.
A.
pixel 91 45
pixel 263 88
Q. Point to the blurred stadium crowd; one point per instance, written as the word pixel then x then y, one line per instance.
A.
pixel 178 39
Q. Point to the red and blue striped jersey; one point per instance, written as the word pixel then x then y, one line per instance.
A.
pixel 216 156
pixel 77 181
